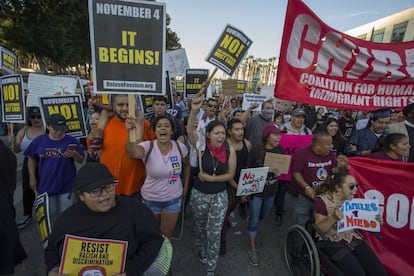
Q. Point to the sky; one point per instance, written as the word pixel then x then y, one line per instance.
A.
pixel 199 23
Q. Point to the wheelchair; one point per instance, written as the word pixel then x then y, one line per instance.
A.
pixel 304 254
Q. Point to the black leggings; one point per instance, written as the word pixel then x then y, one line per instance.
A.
pixel 28 194
pixel 361 261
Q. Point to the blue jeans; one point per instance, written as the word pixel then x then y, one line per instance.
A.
pixel 258 209
pixel 170 206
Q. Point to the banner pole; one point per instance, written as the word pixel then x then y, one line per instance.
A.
pixel 206 84
pixel 131 111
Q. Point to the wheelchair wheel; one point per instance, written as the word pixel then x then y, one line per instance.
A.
pixel 301 254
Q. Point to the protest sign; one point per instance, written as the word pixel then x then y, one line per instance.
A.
pixel 249 99
pixel 128 46
pixel 79 86
pixel 87 256
pixel 229 87
pixel 229 50
pixel 194 79
pixel 43 85
pixel 241 86
pixel 319 65
pixel 359 213
pixel 179 86
pixel 281 162
pixel 176 62
pixel 41 207
pixel 252 181
pixel 290 143
pixel 13 99
pixel 147 101
pixel 390 182
pixel 70 107
pixel 8 61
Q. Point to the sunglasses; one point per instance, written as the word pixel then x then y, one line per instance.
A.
pixel 35 117
pixel 353 186
pixel 212 105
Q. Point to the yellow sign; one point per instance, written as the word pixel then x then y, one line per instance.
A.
pixel 86 256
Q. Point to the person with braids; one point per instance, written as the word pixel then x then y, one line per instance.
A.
pixel 395 146
pixel 358 257
pixel 217 165
pixel 260 204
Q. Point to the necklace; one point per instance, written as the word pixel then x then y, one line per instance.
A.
pixel 214 162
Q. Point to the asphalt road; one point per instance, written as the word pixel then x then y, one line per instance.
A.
pixel 270 243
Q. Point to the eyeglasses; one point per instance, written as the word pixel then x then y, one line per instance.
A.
pixel 212 106
pixel 98 191
pixel 353 186
pixel 35 117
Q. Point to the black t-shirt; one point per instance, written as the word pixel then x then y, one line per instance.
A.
pixel 211 164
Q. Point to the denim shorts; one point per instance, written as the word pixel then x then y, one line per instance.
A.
pixel 170 206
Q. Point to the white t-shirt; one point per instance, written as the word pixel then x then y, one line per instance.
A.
pixel 163 181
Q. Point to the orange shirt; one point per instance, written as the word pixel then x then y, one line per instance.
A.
pixel 129 172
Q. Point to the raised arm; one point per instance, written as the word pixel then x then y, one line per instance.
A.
pixel 135 124
pixel 196 104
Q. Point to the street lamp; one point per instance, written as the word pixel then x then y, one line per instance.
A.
pixel 256 78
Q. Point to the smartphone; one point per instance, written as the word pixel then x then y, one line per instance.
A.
pixel 72 147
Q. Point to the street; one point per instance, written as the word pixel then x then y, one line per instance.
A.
pixel 270 241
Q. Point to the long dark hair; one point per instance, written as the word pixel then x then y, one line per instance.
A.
pixel 384 142
pixel 338 140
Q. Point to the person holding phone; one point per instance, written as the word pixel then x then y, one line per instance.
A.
pixel 52 156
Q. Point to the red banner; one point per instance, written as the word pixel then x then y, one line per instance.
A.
pixel 322 66
pixel 390 182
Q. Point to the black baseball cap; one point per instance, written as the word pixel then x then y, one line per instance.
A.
pixel 57 122
pixel 92 176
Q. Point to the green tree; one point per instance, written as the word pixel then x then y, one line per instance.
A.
pixel 54 32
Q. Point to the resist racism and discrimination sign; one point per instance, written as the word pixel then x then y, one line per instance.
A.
pixel 12 99
pixel 229 50
pixel 86 256
pixel 128 46
pixel 8 61
pixel 194 79
pixel 70 107
pixel 391 183
pixel 321 66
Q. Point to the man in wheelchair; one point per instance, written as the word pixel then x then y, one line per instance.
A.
pixel 347 250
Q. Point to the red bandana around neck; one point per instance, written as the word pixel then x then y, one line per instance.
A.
pixel 218 153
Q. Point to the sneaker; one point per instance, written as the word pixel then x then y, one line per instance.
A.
pixel 23 221
pixel 210 273
pixel 253 258
pixel 202 256
pixel 279 220
pixel 223 250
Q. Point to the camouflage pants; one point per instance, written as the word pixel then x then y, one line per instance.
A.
pixel 209 211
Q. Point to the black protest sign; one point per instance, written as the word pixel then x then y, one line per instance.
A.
pixel 70 107
pixel 194 79
pixel 128 46
pixel 147 101
pixel 241 86
pixel 12 99
pixel 179 86
pixel 229 50
pixel 7 61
